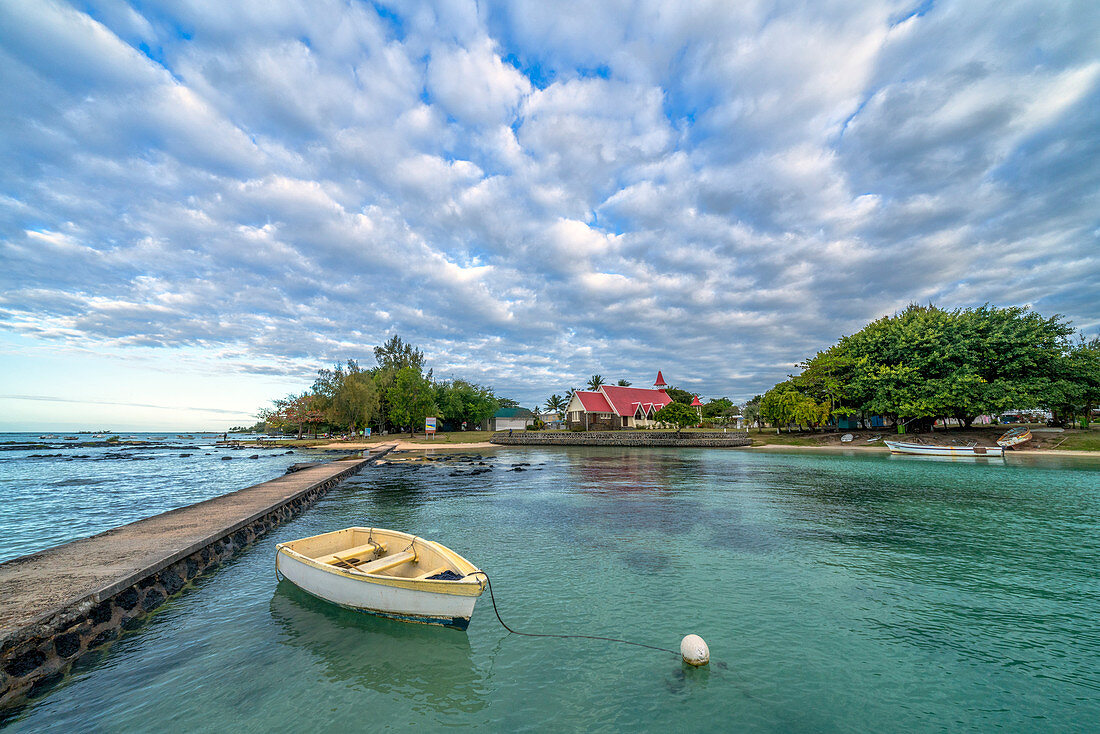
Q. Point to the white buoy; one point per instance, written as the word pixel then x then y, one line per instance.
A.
pixel 694 650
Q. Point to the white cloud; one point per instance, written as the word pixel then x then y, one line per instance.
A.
pixel 534 193
pixel 474 85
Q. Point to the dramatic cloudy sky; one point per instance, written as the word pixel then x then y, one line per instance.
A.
pixel 203 202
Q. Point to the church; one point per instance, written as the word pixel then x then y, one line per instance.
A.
pixel 613 407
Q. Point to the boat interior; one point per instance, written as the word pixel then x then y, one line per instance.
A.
pixel 378 552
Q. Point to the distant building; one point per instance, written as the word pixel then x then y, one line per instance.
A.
pixel 552 420
pixel 612 407
pixel 511 418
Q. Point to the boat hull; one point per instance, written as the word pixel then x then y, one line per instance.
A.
pixel 918 449
pixel 1015 437
pixel 361 593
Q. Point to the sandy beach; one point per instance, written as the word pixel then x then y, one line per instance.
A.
pixel 410 446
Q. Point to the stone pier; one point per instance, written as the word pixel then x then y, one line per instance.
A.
pixel 61 603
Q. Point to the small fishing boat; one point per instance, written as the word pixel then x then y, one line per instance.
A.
pixel 384 572
pixel 923 449
pixel 1014 437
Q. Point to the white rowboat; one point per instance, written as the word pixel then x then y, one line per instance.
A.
pixel 384 572
pixel 921 449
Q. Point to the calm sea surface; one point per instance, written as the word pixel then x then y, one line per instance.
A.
pixel 837 593
pixel 53 491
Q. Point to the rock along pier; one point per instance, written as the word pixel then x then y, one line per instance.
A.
pixel 59 604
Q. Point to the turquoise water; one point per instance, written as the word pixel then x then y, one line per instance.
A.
pixel 837 593
pixel 53 491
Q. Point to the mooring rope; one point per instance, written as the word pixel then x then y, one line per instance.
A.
pixel 563 637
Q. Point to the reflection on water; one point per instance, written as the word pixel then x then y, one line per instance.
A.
pixel 840 592
pixel 991 460
pixel 630 470
pixel 431 665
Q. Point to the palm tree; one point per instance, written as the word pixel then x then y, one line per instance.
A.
pixel 555 404
pixel 595 382
pixel 624 383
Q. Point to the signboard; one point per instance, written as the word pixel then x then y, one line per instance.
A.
pixel 429 425
pixel 366 432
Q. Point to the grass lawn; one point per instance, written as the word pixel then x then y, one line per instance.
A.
pixel 439 438
pixel 771 438
pixel 1080 441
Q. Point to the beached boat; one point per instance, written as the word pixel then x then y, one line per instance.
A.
pixel 1014 437
pixel 924 449
pixel 384 572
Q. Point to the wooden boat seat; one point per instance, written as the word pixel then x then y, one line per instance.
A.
pixel 362 552
pixel 385 564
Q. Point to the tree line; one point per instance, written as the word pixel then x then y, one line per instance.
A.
pixel 928 363
pixel 396 394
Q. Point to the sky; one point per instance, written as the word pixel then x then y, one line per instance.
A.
pixel 202 203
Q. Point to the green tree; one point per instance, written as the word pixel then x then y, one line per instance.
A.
pixel 396 354
pixel 358 401
pixel 595 382
pixel 461 401
pixel 680 396
pixel 926 363
pixel 556 404
pixel 677 414
pixel 1077 392
pixel 785 404
pixel 717 408
pixel 411 399
pixel 623 383
pixel 346 395
pixel 537 423
pixel 751 411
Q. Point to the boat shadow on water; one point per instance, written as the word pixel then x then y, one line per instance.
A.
pixel 430 665
pixel 994 460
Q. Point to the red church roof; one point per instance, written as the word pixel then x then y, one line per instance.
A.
pixel 695 402
pixel 625 400
pixel 594 402
pixel 660 380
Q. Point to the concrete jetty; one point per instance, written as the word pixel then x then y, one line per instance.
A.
pixel 61 603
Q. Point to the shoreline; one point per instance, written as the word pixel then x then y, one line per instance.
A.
pixel 883 449
pixel 480 445
pixel 400 445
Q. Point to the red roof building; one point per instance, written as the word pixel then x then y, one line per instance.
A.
pixel 593 402
pixel 695 402
pixel 660 381
pixel 612 407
